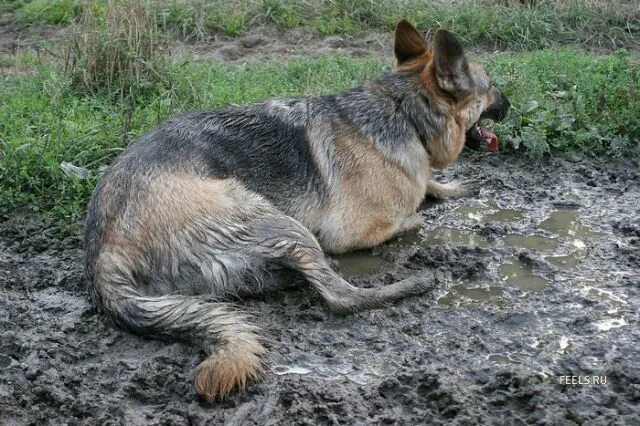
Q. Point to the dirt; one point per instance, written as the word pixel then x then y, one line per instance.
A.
pixel 261 43
pixel 269 42
pixel 537 279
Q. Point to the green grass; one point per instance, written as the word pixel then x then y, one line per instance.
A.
pixel 488 23
pixel 48 11
pixel 562 100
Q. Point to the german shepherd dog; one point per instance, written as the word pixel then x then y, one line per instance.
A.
pixel 190 213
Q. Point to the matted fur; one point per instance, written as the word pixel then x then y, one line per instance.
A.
pixel 191 213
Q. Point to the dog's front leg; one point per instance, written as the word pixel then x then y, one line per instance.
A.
pixel 454 189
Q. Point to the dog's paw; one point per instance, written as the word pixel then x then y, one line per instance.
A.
pixel 466 188
pixel 453 189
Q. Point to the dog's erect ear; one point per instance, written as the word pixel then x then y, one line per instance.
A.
pixel 408 43
pixel 452 69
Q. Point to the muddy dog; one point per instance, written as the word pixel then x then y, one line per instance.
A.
pixel 188 215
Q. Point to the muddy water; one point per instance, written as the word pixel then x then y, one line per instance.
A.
pixel 567 223
pixel 533 242
pixel 518 274
pixel 564 224
pixel 361 262
pixel 503 322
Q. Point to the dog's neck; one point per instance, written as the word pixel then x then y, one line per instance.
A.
pixel 418 107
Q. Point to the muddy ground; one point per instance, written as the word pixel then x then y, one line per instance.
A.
pixel 537 278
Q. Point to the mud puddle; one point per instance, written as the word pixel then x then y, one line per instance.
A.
pixel 518 274
pixel 533 282
pixel 563 253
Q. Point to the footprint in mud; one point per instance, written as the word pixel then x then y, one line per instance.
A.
pixel 518 274
pixel 489 212
pixel 450 236
pixel 568 261
pixel 501 359
pixel 465 294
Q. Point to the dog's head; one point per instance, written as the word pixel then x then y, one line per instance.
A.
pixel 453 80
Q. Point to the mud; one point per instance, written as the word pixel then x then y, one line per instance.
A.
pixel 507 320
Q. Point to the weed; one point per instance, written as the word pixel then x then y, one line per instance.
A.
pixel 117 50
pixel 565 100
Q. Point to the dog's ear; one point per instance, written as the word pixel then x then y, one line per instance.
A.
pixel 452 69
pixel 408 43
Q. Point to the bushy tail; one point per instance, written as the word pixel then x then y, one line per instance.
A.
pixel 234 345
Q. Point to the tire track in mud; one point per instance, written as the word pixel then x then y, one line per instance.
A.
pixel 484 347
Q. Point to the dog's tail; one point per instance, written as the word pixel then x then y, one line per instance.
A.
pixel 233 344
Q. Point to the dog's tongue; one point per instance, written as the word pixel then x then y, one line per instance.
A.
pixel 490 137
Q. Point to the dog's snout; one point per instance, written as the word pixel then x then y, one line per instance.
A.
pixel 506 102
pixel 499 108
pixel 504 106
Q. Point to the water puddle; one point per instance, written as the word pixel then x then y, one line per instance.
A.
pixel 532 242
pixel 487 213
pixel 518 274
pixel 504 215
pixel 470 212
pixel 565 223
pixel 360 262
pixel 456 237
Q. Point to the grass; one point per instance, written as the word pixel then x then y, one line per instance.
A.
pixel 502 24
pixel 563 100
pixel 46 11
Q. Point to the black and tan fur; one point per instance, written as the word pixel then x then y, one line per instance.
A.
pixel 192 212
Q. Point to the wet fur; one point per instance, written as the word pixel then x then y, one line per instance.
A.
pixel 191 213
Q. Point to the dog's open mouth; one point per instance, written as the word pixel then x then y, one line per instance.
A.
pixel 481 138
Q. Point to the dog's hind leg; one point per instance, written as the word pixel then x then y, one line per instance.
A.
pixel 156 264
pixel 147 267
pixel 283 239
